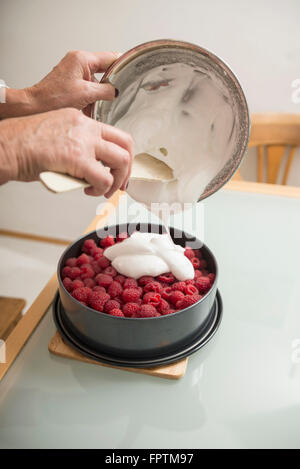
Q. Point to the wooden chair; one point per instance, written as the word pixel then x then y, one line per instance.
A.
pixel 10 314
pixel 274 135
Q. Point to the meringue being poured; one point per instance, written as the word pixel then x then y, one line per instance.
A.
pixel 181 115
pixel 149 254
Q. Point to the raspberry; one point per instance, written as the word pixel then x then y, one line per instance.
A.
pixel 96 251
pixel 147 311
pixel 117 312
pixel 130 283
pixel 71 262
pixel 97 300
pixel 198 253
pixel 153 286
pixel 163 307
pixel 86 268
pixel 164 285
pixel 83 259
pixel 88 245
pixel 189 253
pixel 106 242
pixel 212 278
pixel 120 278
pixel 180 286
pixel 111 304
pixel 198 273
pixel 166 278
pixel 168 311
pixel 98 288
pixel 110 271
pixel 176 296
pixel 122 236
pixel 66 271
pixel 130 309
pixel 166 293
pixel 114 289
pixel 74 273
pixel 188 300
pixel 190 282
pixel 203 264
pixel 87 271
pixel 104 280
pixel 195 262
pixel 78 284
pixel 191 290
pixel 96 267
pixel 145 279
pixel 88 282
pixel 131 295
pixel 103 262
pixel 68 284
pixel 152 298
pixel 203 284
pixel 119 299
pixel 82 294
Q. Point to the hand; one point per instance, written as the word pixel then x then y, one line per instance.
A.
pixel 68 142
pixel 70 84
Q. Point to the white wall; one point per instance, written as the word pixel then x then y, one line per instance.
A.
pixel 259 40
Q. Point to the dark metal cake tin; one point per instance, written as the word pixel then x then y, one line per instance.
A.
pixel 137 338
pixel 204 336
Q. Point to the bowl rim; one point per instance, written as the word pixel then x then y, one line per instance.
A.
pixel 106 315
pixel 134 52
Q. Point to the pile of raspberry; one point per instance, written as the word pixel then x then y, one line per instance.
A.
pixel 91 279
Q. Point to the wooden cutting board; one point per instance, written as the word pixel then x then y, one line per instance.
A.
pixel 173 371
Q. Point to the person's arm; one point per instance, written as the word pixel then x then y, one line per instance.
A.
pixel 8 171
pixel 70 84
pixel 66 141
pixel 17 103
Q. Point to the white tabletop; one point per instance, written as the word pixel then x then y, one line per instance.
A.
pixel 242 390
